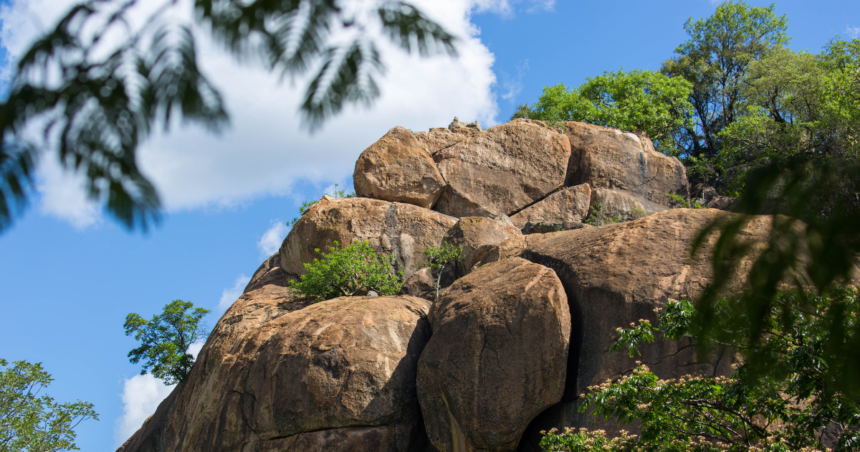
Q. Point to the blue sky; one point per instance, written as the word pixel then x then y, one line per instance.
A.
pixel 69 275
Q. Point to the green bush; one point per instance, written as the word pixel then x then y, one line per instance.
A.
pixel 782 408
pixel 350 271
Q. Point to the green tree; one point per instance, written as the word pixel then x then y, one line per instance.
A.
pixel 635 100
pixel 715 60
pixel 33 423
pixel 345 272
pixel 789 408
pixel 99 99
pixel 447 256
pixel 165 340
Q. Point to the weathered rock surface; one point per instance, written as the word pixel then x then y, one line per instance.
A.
pixel 503 169
pixel 272 376
pixel 477 233
pixel 270 272
pixel 398 168
pixel 617 274
pixel 401 229
pixel 622 204
pixel 439 138
pixel 562 210
pixel 497 356
pixel 609 158
pixel 512 247
pixel 421 284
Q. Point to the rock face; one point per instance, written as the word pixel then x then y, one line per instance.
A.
pixel 622 205
pixel 562 210
pixel 421 284
pixel 475 233
pixel 617 274
pixel 609 158
pixel 502 170
pixel 496 358
pixel 404 230
pixel 336 375
pixel 439 138
pixel 398 168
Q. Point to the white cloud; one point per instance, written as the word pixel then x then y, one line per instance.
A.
pixel 271 240
pixel 195 348
pixel 542 5
pixel 140 398
pixel 853 32
pixel 264 151
pixel 229 295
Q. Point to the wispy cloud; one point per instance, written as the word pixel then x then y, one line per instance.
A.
pixel 541 5
pixel 853 32
pixel 229 295
pixel 512 86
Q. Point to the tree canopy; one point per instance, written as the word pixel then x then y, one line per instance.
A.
pixel 165 340
pixel 30 422
pixel 95 102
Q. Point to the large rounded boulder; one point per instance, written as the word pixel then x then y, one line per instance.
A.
pixel 503 169
pixel 278 373
pixel 497 357
pixel 604 157
pixel 403 230
pixel 398 168
pixel 474 234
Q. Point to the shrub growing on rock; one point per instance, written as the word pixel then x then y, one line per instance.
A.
pixel 439 259
pixel 793 406
pixel 345 272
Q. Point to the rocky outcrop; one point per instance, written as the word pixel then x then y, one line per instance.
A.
pixel 502 170
pixel 403 230
pixel 621 205
pixel 473 234
pixel 609 158
pixel 421 284
pixel 496 358
pixel 270 272
pixel 278 373
pixel 439 138
pixel 559 211
pixel 398 168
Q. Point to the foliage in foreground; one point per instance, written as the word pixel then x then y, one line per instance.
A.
pixel 345 272
pixel 786 409
pixel 95 100
pixel 165 340
pixel 33 423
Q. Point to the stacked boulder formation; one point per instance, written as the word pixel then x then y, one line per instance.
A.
pixel 519 332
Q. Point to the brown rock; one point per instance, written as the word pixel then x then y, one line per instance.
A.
pixel 398 168
pixel 621 205
pixel 618 274
pixel 605 157
pixel 496 358
pixel 561 210
pixel 503 169
pixel 340 373
pixel 512 247
pixel 269 273
pixel 723 202
pixel 440 138
pixel 404 230
pixel 421 284
pixel 475 233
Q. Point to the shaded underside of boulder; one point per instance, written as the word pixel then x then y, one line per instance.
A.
pixel 562 210
pixel 276 367
pixel 604 157
pixel 398 168
pixel 403 230
pixel 497 356
pixel 473 234
pixel 502 169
